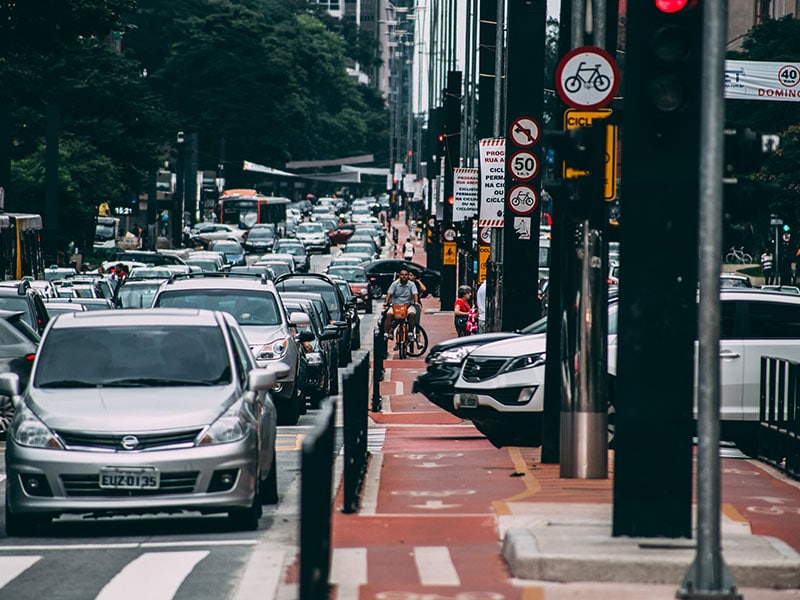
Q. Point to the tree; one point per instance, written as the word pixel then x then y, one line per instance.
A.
pixel 775 187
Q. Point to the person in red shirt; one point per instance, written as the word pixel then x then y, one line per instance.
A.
pixel 461 309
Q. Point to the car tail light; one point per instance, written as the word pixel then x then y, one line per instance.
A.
pixel 30 357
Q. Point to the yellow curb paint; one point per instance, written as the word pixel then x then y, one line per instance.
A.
pixel 729 510
pixel 532 485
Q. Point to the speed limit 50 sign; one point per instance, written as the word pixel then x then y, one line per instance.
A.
pixel 523 165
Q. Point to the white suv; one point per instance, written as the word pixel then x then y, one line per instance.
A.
pixel 503 382
pixel 314 237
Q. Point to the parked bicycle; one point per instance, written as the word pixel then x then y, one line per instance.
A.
pixel 409 341
pixel 738 256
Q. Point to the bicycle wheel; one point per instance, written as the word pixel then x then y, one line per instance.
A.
pixel 602 83
pixel 747 259
pixel 572 84
pixel 730 258
pixel 419 344
pixel 402 336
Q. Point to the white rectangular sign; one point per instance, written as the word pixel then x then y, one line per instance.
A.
pixel 762 80
pixel 465 194
pixel 493 181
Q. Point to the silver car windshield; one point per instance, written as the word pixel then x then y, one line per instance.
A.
pixel 133 357
pixel 247 308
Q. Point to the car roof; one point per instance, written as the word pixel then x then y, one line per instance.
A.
pixel 221 281
pixel 136 317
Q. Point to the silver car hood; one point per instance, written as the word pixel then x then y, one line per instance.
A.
pixel 262 334
pixel 129 409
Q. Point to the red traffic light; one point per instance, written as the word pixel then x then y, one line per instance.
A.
pixel 674 6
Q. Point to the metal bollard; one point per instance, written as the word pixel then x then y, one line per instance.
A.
pixel 379 352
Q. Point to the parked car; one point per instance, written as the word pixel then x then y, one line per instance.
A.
pixel 255 305
pixel 734 280
pixel 18 345
pixel 171 401
pixel 314 237
pixel 321 284
pixel 384 271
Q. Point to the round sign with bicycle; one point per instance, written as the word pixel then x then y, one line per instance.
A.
pixel 587 77
pixel 523 200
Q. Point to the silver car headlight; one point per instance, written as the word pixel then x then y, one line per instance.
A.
pixel 314 358
pixel 526 361
pixel 28 430
pixel 453 356
pixel 231 426
pixel 271 350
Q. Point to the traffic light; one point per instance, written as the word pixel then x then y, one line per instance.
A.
pixel 786 235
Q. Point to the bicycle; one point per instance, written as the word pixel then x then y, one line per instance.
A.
pixel 738 256
pixel 595 79
pixel 409 341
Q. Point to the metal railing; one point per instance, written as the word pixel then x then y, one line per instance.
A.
pixel 316 495
pixel 355 395
pixel 779 415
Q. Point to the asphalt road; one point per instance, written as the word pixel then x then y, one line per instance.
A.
pixel 185 556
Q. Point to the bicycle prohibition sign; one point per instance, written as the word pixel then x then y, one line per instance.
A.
pixel 587 78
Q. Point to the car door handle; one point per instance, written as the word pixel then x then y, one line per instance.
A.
pixel 729 354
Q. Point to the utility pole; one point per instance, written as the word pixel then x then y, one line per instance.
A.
pixel 452 146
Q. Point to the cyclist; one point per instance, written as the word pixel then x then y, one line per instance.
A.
pixel 421 289
pixel 402 292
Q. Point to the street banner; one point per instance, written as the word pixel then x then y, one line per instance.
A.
pixel 493 181
pixel 465 194
pixel 762 80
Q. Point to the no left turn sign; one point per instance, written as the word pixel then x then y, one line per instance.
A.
pixel 523 200
pixel 525 132
pixel 587 77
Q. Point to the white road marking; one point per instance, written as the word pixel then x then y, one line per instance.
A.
pixel 13 566
pixel 262 576
pixel 128 546
pixel 398 388
pixel 154 575
pixel 435 567
pixel 349 570
pixel 376 436
pixel 2 478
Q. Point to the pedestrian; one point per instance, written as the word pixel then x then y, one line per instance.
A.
pixel 767 264
pixel 395 235
pixel 461 310
pixel 480 304
pixel 408 249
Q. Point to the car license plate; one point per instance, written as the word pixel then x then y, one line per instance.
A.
pixel 468 401
pixel 129 478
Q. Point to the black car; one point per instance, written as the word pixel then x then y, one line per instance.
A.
pixel 260 238
pixel 384 271
pixel 18 345
pixel 322 284
pixel 351 303
pixel 445 359
pixel 157 259
pixel 318 341
pixel 19 296
pixel 320 307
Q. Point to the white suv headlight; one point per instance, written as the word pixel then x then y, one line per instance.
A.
pixel 452 356
pixel 231 426
pixel 526 361
pixel 28 430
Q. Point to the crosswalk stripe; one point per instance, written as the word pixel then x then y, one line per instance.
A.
pixel 12 566
pixel 376 436
pixel 435 567
pixel 153 575
pixel 349 570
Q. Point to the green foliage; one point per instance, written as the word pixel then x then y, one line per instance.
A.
pixel 775 188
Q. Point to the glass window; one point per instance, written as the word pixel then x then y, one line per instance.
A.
pixel 248 308
pixel 132 356
pixel 773 320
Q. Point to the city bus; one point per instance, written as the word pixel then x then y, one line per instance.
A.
pixel 244 208
pixel 21 252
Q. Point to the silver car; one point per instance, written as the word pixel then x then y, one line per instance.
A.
pixel 255 305
pixel 141 411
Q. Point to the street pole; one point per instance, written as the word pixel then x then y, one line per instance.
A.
pixel 709 576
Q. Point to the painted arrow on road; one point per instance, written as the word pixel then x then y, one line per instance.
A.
pixel 434 505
